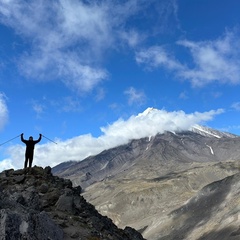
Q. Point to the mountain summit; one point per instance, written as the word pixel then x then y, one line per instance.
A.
pixel 170 149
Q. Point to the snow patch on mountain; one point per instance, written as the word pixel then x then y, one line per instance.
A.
pixel 212 152
pixel 209 132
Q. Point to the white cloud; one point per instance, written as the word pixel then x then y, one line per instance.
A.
pixel 153 121
pixel 132 37
pixel 68 38
pixel 3 111
pixel 215 61
pixel 7 164
pixel 158 56
pixel 212 61
pixel 54 30
pixel 148 123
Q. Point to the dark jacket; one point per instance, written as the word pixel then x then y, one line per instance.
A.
pixel 30 143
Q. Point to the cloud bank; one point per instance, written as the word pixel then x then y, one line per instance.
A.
pixel 146 124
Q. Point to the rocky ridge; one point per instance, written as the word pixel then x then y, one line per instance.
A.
pixel 36 205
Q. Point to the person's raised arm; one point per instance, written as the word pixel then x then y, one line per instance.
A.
pixel 40 138
pixel 22 139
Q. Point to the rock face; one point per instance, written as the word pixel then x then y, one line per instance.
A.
pixel 142 183
pixel 38 206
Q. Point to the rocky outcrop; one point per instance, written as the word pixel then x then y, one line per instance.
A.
pixel 36 205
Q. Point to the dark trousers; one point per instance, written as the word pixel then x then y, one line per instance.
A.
pixel 28 158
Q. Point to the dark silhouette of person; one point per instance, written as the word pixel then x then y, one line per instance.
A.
pixel 30 149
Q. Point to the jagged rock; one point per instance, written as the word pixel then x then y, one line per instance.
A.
pixel 19 179
pixel 65 203
pixel 28 226
pixel 36 205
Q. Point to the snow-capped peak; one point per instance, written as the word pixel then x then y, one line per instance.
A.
pixel 146 112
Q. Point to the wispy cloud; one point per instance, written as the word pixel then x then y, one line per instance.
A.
pixel 71 104
pixel 3 111
pixel 65 104
pixel 211 61
pixel 38 108
pixel 54 29
pixel 236 106
pixel 183 95
pixel 119 132
pixel 132 37
pixel 215 61
pixel 158 56
pixel 100 94
pixel 68 39
pixel 135 96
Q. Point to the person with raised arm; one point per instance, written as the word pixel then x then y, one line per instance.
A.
pixel 30 149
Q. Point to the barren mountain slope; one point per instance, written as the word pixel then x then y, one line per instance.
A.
pixel 141 183
pixel 212 214
pixel 165 153
pixel 144 203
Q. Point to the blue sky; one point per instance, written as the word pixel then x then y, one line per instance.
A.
pixel 85 73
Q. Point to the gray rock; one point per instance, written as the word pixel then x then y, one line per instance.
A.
pixel 19 178
pixel 39 205
pixel 65 203
pixel 17 226
pixel 43 188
